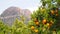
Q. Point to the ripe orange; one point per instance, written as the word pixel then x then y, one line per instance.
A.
pixel 32 27
pixel 44 21
pixel 47 24
pixel 36 30
pixel 56 11
pixel 56 14
pixel 37 23
pixel 51 22
pixel 52 12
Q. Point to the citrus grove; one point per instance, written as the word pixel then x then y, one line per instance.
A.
pixel 45 20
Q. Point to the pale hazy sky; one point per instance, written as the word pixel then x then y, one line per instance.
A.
pixel 24 4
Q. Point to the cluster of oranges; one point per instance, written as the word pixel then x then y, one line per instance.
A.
pixel 33 28
pixel 36 22
pixel 49 24
pixel 44 22
pixel 54 12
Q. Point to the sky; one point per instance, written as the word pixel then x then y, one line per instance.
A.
pixel 23 4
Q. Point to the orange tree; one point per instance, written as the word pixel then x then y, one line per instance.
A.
pixel 46 18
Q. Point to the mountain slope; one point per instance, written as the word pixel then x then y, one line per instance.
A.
pixel 11 13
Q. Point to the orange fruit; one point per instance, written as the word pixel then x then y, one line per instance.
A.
pixel 36 30
pixel 47 24
pixel 32 27
pixel 37 23
pixel 56 11
pixel 44 21
pixel 51 22
pixel 52 12
pixel 56 14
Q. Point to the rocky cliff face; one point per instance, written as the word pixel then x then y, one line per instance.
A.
pixel 10 14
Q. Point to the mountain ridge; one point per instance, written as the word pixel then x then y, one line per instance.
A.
pixel 11 13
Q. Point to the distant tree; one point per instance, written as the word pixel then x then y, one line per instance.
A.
pixel 19 27
pixel 4 29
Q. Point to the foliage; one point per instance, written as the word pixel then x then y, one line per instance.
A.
pixel 45 20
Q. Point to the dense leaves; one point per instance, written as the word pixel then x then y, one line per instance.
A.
pixel 45 20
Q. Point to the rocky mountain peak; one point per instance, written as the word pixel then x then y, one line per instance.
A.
pixel 11 13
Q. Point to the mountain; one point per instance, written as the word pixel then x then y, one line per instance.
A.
pixel 11 13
